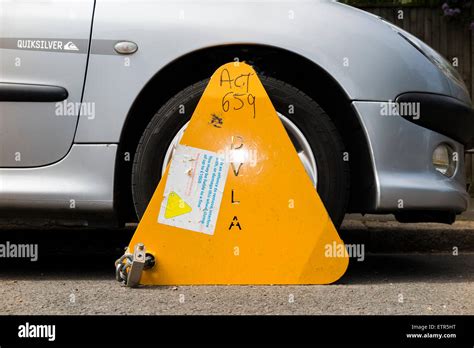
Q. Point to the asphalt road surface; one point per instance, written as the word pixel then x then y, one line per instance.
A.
pixel 407 269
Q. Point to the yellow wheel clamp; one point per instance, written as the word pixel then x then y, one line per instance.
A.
pixel 235 205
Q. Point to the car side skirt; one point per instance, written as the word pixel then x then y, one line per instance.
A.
pixel 80 184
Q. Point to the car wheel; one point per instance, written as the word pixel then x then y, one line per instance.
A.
pixel 315 137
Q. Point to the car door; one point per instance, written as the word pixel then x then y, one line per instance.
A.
pixel 43 59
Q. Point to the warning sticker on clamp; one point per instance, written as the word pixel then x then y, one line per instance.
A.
pixel 194 189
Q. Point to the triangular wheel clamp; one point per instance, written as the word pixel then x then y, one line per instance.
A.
pixel 244 210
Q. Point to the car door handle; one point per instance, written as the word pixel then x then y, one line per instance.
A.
pixel 21 92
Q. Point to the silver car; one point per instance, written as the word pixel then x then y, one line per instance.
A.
pixel 95 94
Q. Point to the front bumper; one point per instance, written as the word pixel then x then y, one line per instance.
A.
pixel 401 153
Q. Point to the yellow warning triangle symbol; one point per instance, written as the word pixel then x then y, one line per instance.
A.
pixel 176 206
pixel 255 216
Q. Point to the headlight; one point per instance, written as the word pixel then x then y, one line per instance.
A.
pixel 443 160
pixel 436 58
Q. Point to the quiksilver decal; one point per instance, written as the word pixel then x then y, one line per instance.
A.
pixel 48 45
